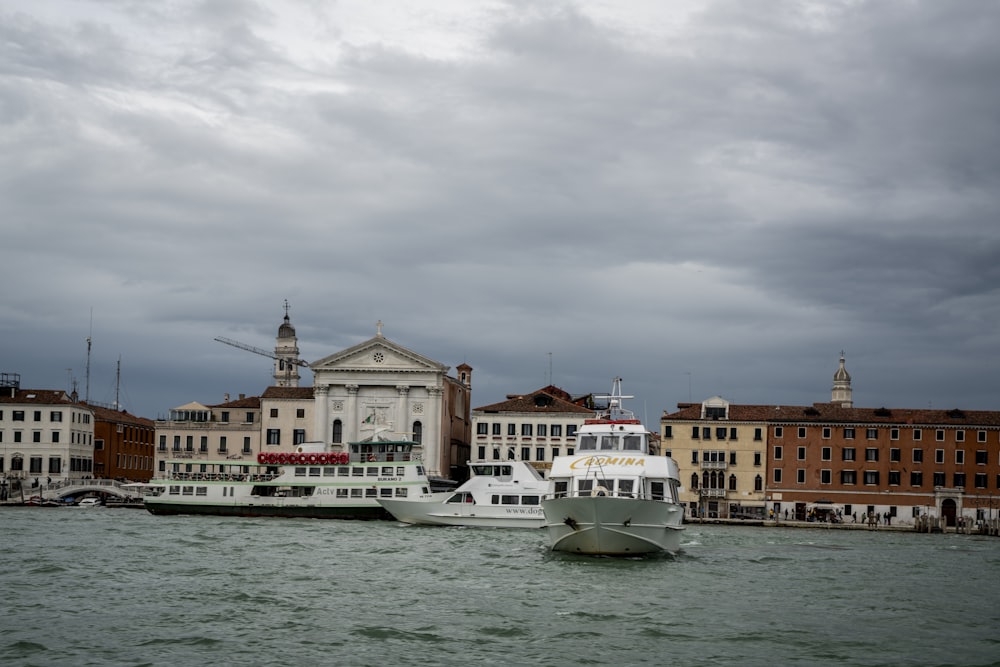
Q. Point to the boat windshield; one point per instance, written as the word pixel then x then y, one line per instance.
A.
pixel 610 443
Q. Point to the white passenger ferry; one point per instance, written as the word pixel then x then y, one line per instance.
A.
pixel 499 494
pixel 613 496
pixel 310 482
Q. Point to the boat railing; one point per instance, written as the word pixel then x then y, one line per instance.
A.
pixel 601 491
pixel 383 457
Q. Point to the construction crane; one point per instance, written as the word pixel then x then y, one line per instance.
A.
pixel 288 363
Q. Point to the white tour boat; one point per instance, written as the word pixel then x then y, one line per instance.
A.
pixel 499 494
pixel 613 496
pixel 309 482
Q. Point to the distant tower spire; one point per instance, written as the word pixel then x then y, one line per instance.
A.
pixel 841 394
pixel 286 353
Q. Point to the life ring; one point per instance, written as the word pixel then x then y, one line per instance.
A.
pixel 321 459
pixel 272 458
pixel 371 458
pixel 313 459
pixel 282 458
pixel 601 491
pixel 262 457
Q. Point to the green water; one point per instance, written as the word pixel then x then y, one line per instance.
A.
pixel 122 587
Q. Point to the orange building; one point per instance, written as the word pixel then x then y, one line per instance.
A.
pixel 124 445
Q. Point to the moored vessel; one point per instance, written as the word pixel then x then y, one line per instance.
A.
pixel 499 494
pixel 614 495
pixel 309 482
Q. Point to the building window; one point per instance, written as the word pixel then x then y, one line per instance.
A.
pixel 539 453
pixel 732 458
pixel 694 481
pixel 916 478
pixel 556 431
pixel 800 475
pixel 959 478
pixel 481 428
pixel 777 452
pixel 298 436
pixel 825 476
pixel 826 454
pixel 802 431
pixel 848 454
pixel 511 429
pixel 732 433
pixel 894 455
pixel 981 436
pixel 203 444
pixel 338 430
pixel 893 478
pixel 779 431
pixel 720 433
pixel 959 436
pixel 300 413
pixel 246 444
pixel 777 475
pixel 570 430
pixel 525 429
pixel 189 443
pixel 18 415
pixel 980 480
pixel 732 482
pixel 918 455
pixel 706 433
pixel 525 453
pixel 871 478
pixel 273 436
pixel 849 433
pixel 939 435
pixel 960 456
pixel 982 458
pixel 758 483
pixel 939 479
pixel 496 428
pixel 418 432
pixel 57 417
pixel 36 436
pixel 801 453
pixel 274 413
pixel 542 430
pixel 481 452
pixel 872 434
pixel 756 458
pixel 695 433
pixel 222 444
pixel 694 457
pixel 758 434
pixel 938 456
pixel 249 417
pixel 827 432
pixel 917 434
pixel 871 454
pixel 894 434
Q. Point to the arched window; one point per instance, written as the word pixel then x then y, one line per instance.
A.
pixel 732 482
pixel 338 430
pixel 418 432
pixel 706 480
pixel 758 483
pixel 694 481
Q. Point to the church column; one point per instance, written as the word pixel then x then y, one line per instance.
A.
pixel 321 427
pixel 402 409
pixel 433 441
pixel 351 415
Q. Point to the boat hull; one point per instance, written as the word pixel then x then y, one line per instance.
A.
pixel 288 510
pixel 613 526
pixel 438 513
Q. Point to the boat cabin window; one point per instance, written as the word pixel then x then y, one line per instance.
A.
pixel 584 486
pixel 371 492
pixel 356 493
pixel 656 490
pixel 530 500
pixel 605 487
pixel 387 471
pixel 401 493
pixel 626 487
pixel 633 443
pixel 341 493
pixel 461 498
pixel 560 489
pixel 587 443
pixel 372 472
pixel 609 442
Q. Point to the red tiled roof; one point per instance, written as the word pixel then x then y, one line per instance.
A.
pixel 36 396
pixel 288 392
pixel 832 413
pixel 541 401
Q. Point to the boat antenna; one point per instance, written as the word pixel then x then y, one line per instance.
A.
pixel 86 393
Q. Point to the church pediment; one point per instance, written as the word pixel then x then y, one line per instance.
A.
pixel 377 354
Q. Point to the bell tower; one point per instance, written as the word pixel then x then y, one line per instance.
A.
pixel 286 354
pixel 842 386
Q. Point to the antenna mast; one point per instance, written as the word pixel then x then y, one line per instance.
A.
pixel 118 381
pixel 86 393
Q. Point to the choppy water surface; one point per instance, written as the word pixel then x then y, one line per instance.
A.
pixel 122 587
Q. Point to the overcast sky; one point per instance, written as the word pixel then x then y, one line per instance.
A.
pixel 705 198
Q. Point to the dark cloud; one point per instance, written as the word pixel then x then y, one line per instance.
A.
pixel 714 199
